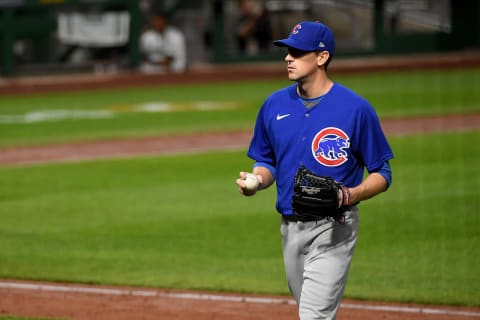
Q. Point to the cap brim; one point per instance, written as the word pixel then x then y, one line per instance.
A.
pixel 292 44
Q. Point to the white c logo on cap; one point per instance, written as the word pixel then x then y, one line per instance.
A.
pixel 296 29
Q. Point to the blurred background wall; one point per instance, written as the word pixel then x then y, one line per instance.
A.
pixel 47 36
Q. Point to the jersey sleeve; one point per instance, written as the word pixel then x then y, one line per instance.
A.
pixel 260 148
pixel 374 147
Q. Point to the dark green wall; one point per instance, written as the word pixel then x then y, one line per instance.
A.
pixel 37 22
pixel 465 32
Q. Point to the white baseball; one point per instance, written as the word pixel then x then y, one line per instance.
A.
pixel 251 182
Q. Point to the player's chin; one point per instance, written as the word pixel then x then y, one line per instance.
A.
pixel 292 76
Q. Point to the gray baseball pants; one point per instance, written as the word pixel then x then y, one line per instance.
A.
pixel 317 256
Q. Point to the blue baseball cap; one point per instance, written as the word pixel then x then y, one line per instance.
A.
pixel 309 36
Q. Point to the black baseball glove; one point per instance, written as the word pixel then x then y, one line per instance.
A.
pixel 316 197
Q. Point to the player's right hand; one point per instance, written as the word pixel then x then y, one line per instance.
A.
pixel 242 187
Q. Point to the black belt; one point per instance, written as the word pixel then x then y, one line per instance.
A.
pixel 295 218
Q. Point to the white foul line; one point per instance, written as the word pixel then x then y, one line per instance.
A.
pixel 227 298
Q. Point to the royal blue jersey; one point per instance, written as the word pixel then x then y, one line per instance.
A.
pixel 339 137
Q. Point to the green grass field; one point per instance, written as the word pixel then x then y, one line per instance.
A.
pixel 34 119
pixel 162 222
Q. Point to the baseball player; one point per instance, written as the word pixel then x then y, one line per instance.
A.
pixel 328 129
pixel 163 47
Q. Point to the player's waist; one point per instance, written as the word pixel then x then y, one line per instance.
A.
pixel 318 217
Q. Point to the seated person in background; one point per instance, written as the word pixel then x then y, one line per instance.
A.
pixel 162 47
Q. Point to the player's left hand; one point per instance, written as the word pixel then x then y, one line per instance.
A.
pixel 318 196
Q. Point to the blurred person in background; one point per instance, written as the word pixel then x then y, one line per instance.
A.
pixel 162 47
pixel 263 33
pixel 253 28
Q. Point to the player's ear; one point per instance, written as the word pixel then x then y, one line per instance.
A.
pixel 322 58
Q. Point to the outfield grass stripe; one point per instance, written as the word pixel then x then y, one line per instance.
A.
pixel 225 298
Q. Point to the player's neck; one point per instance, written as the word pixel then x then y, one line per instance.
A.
pixel 314 89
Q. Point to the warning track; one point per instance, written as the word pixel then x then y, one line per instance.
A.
pixel 76 301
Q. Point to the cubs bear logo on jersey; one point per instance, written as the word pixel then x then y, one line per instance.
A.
pixel 329 147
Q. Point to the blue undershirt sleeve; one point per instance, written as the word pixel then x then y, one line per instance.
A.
pixel 266 165
pixel 386 171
